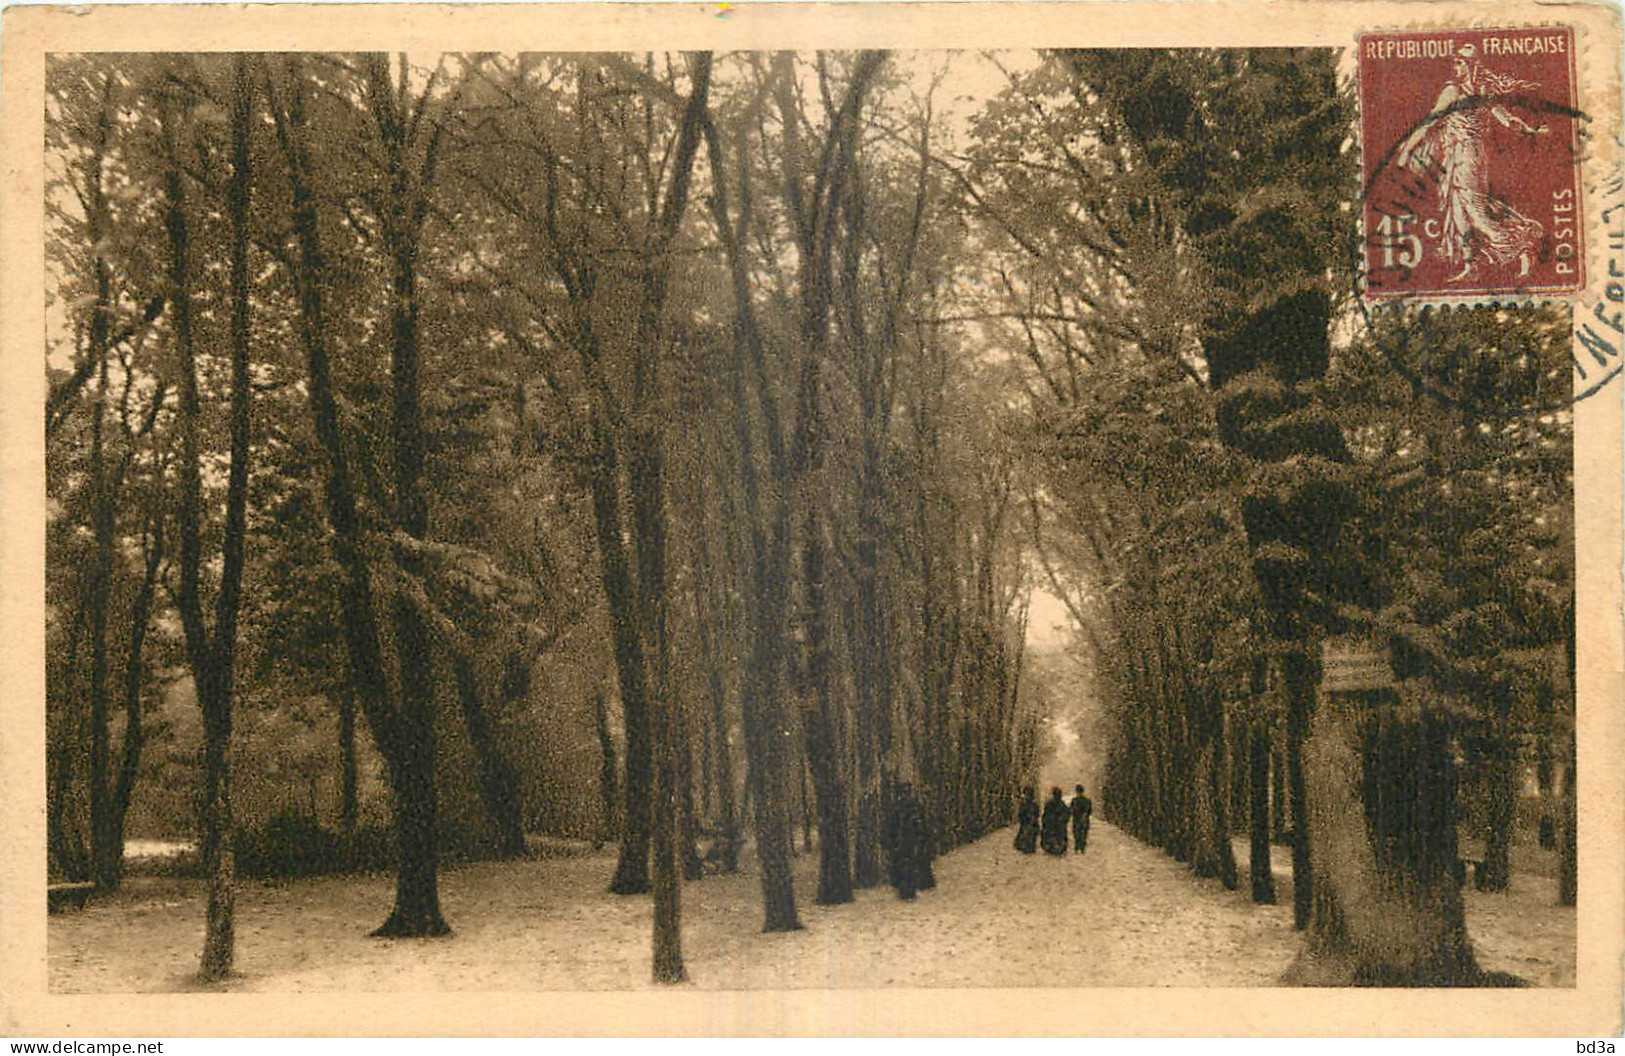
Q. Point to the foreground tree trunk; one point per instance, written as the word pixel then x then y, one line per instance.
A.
pixel 1280 810
pixel 615 568
pixel 399 732
pixel 649 512
pixel 667 947
pixel 1387 910
pixel 820 741
pixel 409 178
pixel 105 868
pixel 212 654
pixel 105 865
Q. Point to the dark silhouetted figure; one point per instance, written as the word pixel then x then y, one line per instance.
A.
pixel 1027 823
pixel 1055 817
pixel 1081 808
pixel 903 836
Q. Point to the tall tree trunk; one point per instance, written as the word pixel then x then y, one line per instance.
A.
pixel 648 470
pixel 134 732
pixel 417 838
pixel 219 937
pixel 416 912
pixel 349 799
pixel 1258 791
pixel 708 773
pixel 105 868
pixel 632 868
pixel 668 913
pixel 1212 855
pixel 769 530
pixel 806 807
pixel 397 730
pixel 417 896
pixel 1238 736
pixel 820 737
pixel 212 654
pixel 98 592
pixel 1297 677
pixel 870 645
pixel 765 739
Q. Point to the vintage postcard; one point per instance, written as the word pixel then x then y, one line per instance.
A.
pixel 813 519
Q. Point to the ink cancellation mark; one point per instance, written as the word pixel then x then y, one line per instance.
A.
pixel 1599 320
pixel 1471 165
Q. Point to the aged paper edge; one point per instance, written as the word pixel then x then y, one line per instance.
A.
pixel 1592 1008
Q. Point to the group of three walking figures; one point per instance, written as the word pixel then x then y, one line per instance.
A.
pixel 1050 832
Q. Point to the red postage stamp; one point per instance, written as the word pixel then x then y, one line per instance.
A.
pixel 1471 164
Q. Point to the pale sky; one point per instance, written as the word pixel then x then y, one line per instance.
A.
pixel 1049 625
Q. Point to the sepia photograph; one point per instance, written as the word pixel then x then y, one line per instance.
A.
pixel 872 515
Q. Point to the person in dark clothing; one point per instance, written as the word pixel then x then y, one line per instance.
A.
pixel 1027 823
pixel 1081 809
pixel 925 878
pixel 904 838
pixel 1055 817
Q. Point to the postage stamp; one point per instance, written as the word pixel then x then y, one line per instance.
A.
pixel 1471 164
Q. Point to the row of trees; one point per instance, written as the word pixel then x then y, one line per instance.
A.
pixel 396 384
pixel 1221 492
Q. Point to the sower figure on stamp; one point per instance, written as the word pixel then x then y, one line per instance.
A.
pixel 1081 809
pixel 1027 823
pixel 1055 818
pixel 1452 146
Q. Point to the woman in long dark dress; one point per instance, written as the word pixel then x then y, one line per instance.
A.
pixel 1056 817
pixel 903 837
pixel 1027 823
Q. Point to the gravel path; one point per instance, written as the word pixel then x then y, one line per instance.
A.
pixel 1122 915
